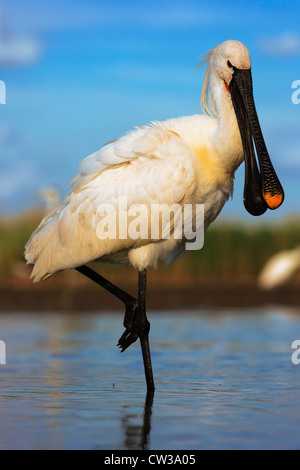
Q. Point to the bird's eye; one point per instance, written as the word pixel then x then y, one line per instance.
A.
pixel 229 64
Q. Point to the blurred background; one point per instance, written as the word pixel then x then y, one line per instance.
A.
pixel 79 74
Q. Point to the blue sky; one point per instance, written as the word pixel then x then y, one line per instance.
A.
pixel 80 73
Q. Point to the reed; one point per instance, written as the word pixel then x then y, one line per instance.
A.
pixel 230 249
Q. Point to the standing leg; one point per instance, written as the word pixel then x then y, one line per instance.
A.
pixel 135 321
pixel 143 327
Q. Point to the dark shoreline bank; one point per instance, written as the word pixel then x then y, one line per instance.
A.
pixel 216 295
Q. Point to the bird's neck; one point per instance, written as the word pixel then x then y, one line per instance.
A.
pixel 227 137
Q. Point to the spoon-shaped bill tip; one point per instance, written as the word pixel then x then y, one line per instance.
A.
pixel 273 200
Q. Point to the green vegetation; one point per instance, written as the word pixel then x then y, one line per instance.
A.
pixel 14 233
pixel 229 249
pixel 242 250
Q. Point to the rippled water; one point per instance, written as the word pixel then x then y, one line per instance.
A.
pixel 224 380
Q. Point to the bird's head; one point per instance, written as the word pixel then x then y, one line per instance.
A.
pixel 227 56
pixel 229 65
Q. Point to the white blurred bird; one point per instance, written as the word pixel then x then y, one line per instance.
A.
pixel 279 269
pixel 188 160
pixel 50 196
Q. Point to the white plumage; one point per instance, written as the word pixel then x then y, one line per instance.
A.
pixel 188 160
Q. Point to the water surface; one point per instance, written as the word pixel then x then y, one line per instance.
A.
pixel 224 379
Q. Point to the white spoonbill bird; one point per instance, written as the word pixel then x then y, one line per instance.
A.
pixel 279 269
pixel 187 160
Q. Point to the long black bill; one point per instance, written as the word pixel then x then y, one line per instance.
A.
pixel 262 189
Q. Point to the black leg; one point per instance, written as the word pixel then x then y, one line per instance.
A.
pixel 143 327
pixel 101 281
pixel 131 305
pixel 135 321
pixel 130 334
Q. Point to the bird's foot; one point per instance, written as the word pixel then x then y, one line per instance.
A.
pixel 127 338
pixel 130 334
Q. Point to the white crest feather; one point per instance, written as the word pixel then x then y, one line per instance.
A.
pixel 206 101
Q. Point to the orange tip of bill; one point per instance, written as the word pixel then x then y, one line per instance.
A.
pixel 273 200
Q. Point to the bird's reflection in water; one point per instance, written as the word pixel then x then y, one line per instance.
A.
pixel 136 435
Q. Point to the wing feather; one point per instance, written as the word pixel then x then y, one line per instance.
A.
pixel 150 165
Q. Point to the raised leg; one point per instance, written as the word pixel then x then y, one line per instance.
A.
pixel 131 305
pixel 143 327
pixel 130 334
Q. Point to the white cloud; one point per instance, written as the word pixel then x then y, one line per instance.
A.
pixel 285 44
pixel 18 51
